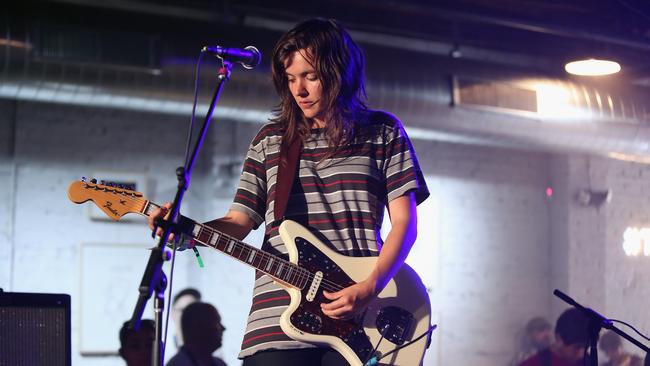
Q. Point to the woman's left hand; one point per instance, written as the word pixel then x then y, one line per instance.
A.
pixel 350 301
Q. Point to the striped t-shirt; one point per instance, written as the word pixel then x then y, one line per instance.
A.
pixel 342 197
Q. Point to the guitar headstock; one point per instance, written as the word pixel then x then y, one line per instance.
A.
pixel 114 201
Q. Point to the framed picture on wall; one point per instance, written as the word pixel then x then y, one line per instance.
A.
pixel 109 278
pixel 131 181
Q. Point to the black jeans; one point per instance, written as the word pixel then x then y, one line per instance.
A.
pixel 296 357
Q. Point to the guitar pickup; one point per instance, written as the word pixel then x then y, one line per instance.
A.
pixel 315 284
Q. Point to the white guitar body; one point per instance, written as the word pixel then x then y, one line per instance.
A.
pixel 405 291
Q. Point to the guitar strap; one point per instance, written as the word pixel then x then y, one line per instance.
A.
pixel 287 167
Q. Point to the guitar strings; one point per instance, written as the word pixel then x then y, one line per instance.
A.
pixel 302 274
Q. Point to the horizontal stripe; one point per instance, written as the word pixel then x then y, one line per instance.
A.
pixel 276 335
pixel 249 165
pixel 243 197
pixel 283 345
pixel 265 311
pixel 340 182
pixel 270 299
pixel 286 297
pixel 401 179
pixel 263 318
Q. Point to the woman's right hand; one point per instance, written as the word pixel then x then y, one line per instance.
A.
pixel 162 212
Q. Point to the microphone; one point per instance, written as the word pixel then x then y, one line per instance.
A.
pixel 565 297
pixel 605 323
pixel 248 57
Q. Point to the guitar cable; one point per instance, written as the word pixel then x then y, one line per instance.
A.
pixel 374 360
pixel 372 354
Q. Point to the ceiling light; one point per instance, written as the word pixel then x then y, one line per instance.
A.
pixel 592 67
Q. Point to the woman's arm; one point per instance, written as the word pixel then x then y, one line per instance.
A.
pixel 351 300
pixel 234 223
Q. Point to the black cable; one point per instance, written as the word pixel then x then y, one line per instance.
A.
pixel 372 354
pixel 197 74
pixel 634 329
pixel 375 360
pixel 169 294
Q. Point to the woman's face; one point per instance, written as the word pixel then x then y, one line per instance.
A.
pixel 305 86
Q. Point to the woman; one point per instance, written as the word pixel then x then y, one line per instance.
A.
pixel 352 163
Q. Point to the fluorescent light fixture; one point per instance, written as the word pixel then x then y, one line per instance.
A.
pixel 94 96
pixel 592 67
pixel 12 43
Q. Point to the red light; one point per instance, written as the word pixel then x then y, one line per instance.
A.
pixel 549 192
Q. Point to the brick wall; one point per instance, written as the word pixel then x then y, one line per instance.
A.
pixel 492 246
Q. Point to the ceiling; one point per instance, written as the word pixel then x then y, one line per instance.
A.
pixel 549 30
pixel 140 54
pixel 552 30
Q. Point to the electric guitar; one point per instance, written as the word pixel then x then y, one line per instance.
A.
pixel 394 329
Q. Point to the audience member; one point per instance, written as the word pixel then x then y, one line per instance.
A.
pixel 136 347
pixel 180 301
pixel 611 344
pixel 538 336
pixel 202 332
pixel 571 338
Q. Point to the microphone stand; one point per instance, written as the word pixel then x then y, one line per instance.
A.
pixel 596 323
pixel 154 278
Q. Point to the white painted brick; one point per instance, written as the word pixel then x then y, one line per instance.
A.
pixel 502 245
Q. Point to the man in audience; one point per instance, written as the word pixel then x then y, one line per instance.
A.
pixel 136 347
pixel 610 343
pixel 180 301
pixel 202 332
pixel 571 338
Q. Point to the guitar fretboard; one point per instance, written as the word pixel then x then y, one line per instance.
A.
pixel 268 263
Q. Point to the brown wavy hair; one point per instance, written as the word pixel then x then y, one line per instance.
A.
pixel 339 64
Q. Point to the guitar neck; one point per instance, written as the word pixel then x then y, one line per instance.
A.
pixel 272 265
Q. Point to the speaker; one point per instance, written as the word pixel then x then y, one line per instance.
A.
pixel 34 329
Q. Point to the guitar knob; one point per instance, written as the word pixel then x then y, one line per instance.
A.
pixel 93 181
pixel 166 255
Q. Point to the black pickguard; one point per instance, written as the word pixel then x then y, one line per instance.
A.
pixel 309 318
